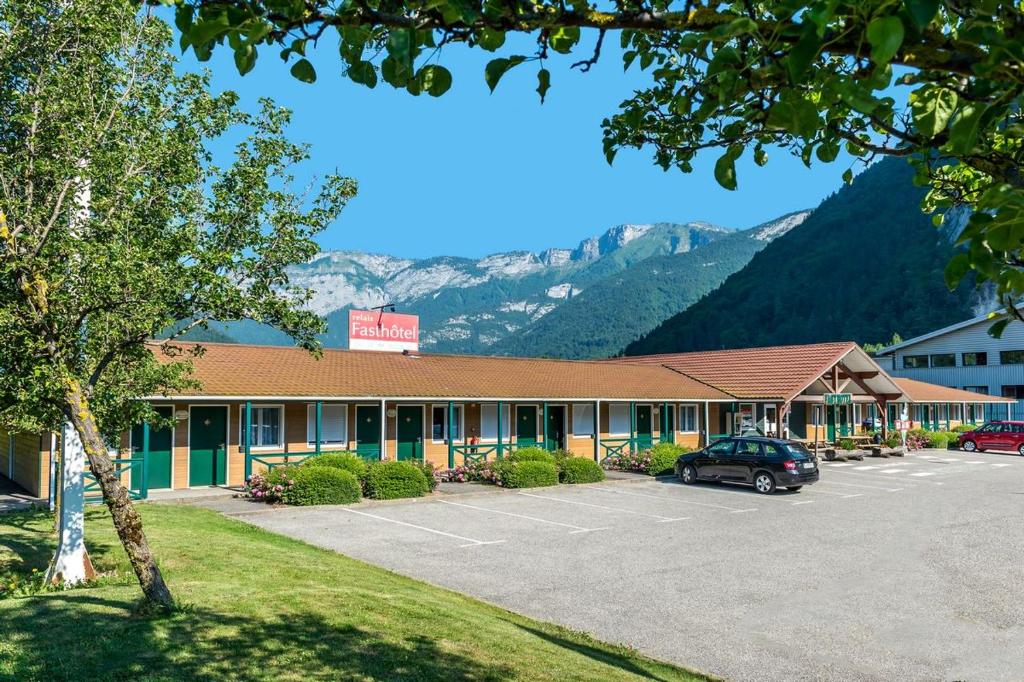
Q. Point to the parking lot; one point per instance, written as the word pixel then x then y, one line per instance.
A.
pixel 903 568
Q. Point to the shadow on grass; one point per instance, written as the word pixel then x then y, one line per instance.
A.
pixel 601 655
pixel 77 636
pixel 26 543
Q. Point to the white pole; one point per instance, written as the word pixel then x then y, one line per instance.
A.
pixel 707 425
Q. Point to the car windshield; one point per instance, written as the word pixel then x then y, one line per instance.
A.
pixel 797 450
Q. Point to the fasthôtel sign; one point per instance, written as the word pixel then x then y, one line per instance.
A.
pixel 838 398
pixel 372 330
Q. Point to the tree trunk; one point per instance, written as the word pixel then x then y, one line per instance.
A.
pixel 126 519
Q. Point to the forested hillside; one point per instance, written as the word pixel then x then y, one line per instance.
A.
pixel 865 264
pixel 618 309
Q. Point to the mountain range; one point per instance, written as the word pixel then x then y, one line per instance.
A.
pixel 556 302
pixel 866 263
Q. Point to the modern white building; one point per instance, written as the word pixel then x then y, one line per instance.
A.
pixel 965 356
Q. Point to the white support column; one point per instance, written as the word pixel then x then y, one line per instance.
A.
pixel 71 564
pixel 707 425
pixel 597 430
pixel 1009 410
pixel 383 429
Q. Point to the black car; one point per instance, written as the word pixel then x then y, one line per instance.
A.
pixel 765 463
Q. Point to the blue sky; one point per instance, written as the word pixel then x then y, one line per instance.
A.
pixel 473 173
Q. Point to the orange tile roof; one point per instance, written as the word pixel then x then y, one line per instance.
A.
pixel 238 370
pixel 922 392
pixel 778 372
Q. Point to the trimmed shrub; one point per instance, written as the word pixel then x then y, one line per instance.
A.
pixel 847 444
pixel 894 440
pixel 663 458
pixel 345 461
pixel 532 455
pixel 937 439
pixel 393 480
pixel 528 474
pixel 964 428
pixel 322 485
pixel 579 470
pixel 430 472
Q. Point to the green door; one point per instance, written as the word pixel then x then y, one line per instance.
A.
pixel 526 426
pixel 410 432
pixel 830 416
pixel 159 464
pixel 668 429
pixel 556 427
pixel 644 438
pixel 207 446
pixel 368 431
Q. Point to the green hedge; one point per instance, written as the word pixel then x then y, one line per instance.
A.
pixel 393 480
pixel 579 470
pixel 528 474
pixel 430 473
pixel 938 439
pixel 322 485
pixel 532 455
pixel 663 458
pixel 345 461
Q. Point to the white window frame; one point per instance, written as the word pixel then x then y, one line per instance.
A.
pixel 507 424
pixel 241 426
pixel 611 422
pixel 696 418
pixel 461 420
pixel 587 417
pixel 311 425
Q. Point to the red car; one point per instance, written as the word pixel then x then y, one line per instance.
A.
pixel 996 435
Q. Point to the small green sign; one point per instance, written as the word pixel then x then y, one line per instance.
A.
pixel 838 398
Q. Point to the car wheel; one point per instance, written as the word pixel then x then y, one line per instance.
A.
pixel 794 488
pixel 764 483
pixel 688 475
pixel 969 446
pixel 1020 448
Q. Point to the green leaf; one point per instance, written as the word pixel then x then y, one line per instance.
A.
pixel 956 269
pixel 490 39
pixel 304 71
pixel 496 68
pixel 848 176
pixel 435 79
pixel 885 34
pixel 963 134
pixel 395 72
pixel 363 73
pixel 803 53
pixel 543 83
pixel 795 115
pixel 563 39
pixel 760 156
pixel 400 46
pixel 931 108
pixel 996 330
pixel 726 58
pixel 922 11
pixel 725 167
pixel 245 59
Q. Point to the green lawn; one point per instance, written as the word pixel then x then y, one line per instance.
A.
pixel 259 605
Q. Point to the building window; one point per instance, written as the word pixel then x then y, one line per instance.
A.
pixel 688 418
pixel 1016 392
pixel 618 419
pixel 974 359
pixel 983 390
pixel 943 360
pixel 333 425
pixel 583 419
pixel 1011 357
pixel 267 430
pixel 439 427
pixel 915 361
pixel 489 423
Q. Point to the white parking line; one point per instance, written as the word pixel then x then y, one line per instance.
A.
pixel 661 519
pixel 975 461
pixel 818 491
pixel 892 471
pixel 471 541
pixel 837 465
pixel 859 485
pixel 1002 464
pixel 803 502
pixel 673 499
pixel 866 468
pixel 576 529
